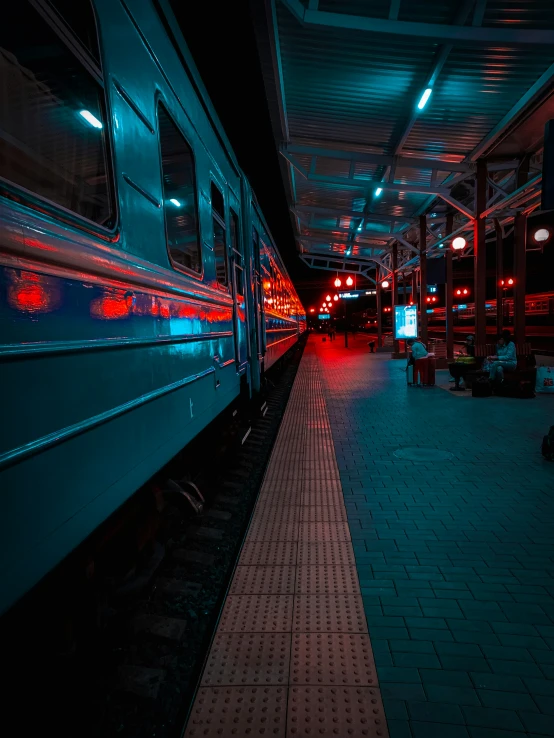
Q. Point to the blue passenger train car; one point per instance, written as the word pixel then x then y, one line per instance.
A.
pixel 139 284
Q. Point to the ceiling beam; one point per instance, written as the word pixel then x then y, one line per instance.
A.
pixel 329 238
pixel 438 31
pixel 540 86
pixel 441 56
pixel 338 213
pixel 347 267
pixel 363 184
pixel 394 9
pixel 377 159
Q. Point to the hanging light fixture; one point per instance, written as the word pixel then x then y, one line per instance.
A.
pixel 349 281
pixel 459 243
pixel 385 284
pixel 337 282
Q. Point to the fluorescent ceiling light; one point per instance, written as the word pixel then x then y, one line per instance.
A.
pixel 175 202
pixel 90 118
pixel 378 191
pixel 423 101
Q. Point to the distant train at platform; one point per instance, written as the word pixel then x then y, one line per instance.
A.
pixel 140 289
pixel 539 305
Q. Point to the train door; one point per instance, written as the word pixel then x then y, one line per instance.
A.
pixel 237 251
pixel 258 294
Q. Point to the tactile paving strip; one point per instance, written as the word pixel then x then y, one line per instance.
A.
pixel 321 496
pixel 271 529
pixel 329 613
pixel 323 532
pixel 268 553
pixel 293 626
pixel 257 614
pixel 348 712
pixel 326 580
pixel 263 580
pixel 219 712
pixel 248 659
pixel 327 553
pixel 322 514
pixel 332 658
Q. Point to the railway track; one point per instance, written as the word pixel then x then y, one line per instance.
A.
pixel 131 660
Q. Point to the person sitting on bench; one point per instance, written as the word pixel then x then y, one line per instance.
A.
pixel 464 364
pixel 506 358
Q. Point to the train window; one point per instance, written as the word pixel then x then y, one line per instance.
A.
pixel 79 17
pixel 236 245
pixel 179 195
pixel 53 138
pixel 218 219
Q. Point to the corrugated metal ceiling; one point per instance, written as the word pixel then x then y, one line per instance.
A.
pixel 346 91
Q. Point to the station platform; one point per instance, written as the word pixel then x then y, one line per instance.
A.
pixel 398 574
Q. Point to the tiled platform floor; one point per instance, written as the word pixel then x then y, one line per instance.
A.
pixel 292 656
pixel 451 561
pixel 455 558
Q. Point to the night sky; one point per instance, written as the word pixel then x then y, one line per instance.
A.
pixel 222 41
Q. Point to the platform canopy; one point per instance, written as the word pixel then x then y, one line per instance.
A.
pixel 381 110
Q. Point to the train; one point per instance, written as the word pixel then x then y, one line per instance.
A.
pixel 537 304
pixel 141 291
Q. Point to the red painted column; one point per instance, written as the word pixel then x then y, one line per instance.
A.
pixel 499 276
pixel 423 277
pixel 449 293
pixel 520 275
pixel 378 289
pixel 394 289
pixel 480 254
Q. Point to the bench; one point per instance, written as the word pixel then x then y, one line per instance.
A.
pixel 526 369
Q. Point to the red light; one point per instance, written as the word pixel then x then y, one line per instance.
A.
pixel 385 284
pixel 466 291
pixel 33 293
pixel 349 281
pixel 428 299
pixel 510 281
pixel 335 298
pixel 337 282
pixel 312 310
pixel 328 298
pixel 458 292
pixel 112 306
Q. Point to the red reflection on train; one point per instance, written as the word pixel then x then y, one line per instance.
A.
pixel 112 305
pixel 33 293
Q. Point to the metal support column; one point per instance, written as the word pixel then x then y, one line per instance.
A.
pixel 520 258
pixel 414 287
pixel 423 277
pixel 394 291
pixel 378 290
pixel 520 275
pixel 449 293
pixel 499 276
pixel 480 254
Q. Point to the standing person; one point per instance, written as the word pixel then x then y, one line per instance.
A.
pixel 418 350
pixel 505 358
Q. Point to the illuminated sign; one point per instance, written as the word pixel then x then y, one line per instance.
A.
pixel 405 321
pixel 324 316
pixel 348 295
